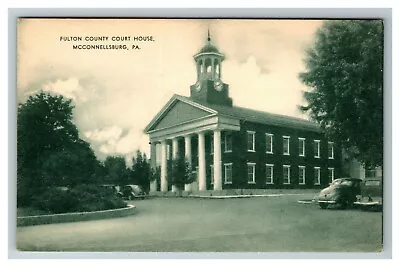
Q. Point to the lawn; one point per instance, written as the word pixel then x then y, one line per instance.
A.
pixel 266 224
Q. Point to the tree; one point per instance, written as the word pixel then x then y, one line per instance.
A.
pixel 141 170
pixel 344 69
pixel 116 171
pixel 48 144
pixel 180 173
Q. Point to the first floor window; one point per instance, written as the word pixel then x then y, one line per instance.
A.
pixel 317 148
pixel 302 174
pixel 317 175
pixel 331 173
pixel 286 174
pixel 228 142
pixel 251 136
pixel 251 173
pixel 286 145
pixel 228 173
pixel 270 173
pixel 212 173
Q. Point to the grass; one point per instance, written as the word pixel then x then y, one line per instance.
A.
pixel 275 224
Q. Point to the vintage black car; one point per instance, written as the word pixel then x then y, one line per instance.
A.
pixel 342 192
pixel 130 192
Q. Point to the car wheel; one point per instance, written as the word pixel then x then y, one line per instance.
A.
pixel 323 205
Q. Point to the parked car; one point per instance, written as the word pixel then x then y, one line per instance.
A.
pixel 130 192
pixel 342 192
pixel 371 197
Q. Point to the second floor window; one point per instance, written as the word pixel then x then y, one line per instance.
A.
pixel 330 150
pixel 317 148
pixel 269 140
pixel 302 144
pixel 286 145
pixel 251 140
pixel 228 142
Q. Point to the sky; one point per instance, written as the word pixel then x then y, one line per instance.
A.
pixel 116 93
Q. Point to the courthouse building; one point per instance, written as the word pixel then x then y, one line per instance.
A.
pixel 233 147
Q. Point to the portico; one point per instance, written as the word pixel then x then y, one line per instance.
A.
pixel 189 125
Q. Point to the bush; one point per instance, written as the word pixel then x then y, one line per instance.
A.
pixel 78 199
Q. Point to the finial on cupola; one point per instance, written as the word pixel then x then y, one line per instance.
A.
pixel 208 37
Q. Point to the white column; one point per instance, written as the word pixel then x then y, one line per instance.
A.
pixel 217 160
pixel 164 182
pixel 174 157
pixel 202 163
pixel 153 164
pixel 188 157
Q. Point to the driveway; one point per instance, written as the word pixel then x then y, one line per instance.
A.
pixel 264 224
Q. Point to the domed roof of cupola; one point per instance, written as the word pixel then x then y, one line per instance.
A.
pixel 209 48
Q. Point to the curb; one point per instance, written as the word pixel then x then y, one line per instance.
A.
pixel 75 216
pixel 245 196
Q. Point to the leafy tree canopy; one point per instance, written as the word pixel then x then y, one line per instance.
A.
pixel 344 70
pixel 49 150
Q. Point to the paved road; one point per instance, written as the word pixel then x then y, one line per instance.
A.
pixel 256 224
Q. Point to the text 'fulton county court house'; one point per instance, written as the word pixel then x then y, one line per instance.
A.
pixel 233 147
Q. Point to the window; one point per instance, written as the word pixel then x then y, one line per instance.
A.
pixel 212 144
pixel 331 173
pixel 228 142
pixel 302 144
pixel 251 136
pixel 330 150
pixel 370 172
pixel 286 174
pixel 316 148
pixel 286 144
pixel 251 173
pixel 270 173
pixel 302 175
pixel 212 174
pixel 269 142
pixel 228 173
pixel 317 175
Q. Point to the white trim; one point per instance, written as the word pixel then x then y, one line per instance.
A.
pixel 286 137
pixel 283 169
pixel 319 148
pixel 254 172
pixel 331 155
pixel 303 168
pixel 254 141
pixel 272 173
pixel 304 146
pixel 225 165
pixel 272 143
pixel 331 172
pixel 319 175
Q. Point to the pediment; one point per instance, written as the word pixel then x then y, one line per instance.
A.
pixel 178 111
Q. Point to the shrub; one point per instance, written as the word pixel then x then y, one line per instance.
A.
pixel 78 199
